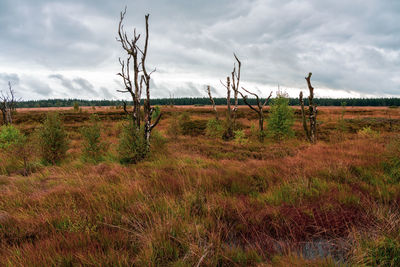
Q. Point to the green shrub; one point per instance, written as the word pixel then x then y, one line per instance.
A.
pixel 256 135
pixel 184 117
pixel 76 106
pixel 156 112
pixel 214 128
pixel 157 141
pixel 9 135
pixel 368 132
pixel 281 118
pixel 240 137
pixel 93 147
pixel 193 127
pixel 132 146
pixel 16 150
pixel 52 139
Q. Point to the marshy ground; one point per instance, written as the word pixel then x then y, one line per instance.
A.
pixel 199 200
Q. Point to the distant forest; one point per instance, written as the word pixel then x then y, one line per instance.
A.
pixel 206 101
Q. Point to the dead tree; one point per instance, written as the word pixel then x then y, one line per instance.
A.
pixel 212 102
pixel 312 109
pixel 8 105
pixel 140 80
pixel 259 110
pixel 234 86
pixel 228 134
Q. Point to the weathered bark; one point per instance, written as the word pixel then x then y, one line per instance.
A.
pixel 229 129
pixel 232 83
pixel 212 102
pixel 235 88
pixel 141 78
pixel 3 111
pixel 259 110
pixel 312 108
pixel 8 105
pixel 303 115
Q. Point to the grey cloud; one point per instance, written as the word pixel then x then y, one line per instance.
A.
pixel 188 89
pixel 106 93
pixel 38 87
pixel 13 78
pixel 77 86
pixel 348 45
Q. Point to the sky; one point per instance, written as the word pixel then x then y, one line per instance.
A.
pixel 68 48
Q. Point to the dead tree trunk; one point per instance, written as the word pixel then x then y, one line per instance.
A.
pixel 212 102
pixel 228 135
pixel 141 78
pixel 259 110
pixel 235 88
pixel 303 116
pixel 312 108
pixel 8 105
pixel 3 111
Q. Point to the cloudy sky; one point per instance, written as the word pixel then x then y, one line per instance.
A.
pixel 67 48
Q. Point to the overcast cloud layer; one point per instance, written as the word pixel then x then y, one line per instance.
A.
pixel 67 48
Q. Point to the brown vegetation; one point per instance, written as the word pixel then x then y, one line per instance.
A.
pixel 204 201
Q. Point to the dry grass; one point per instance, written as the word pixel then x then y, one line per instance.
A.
pixel 206 202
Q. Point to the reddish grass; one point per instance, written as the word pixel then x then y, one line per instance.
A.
pixel 236 204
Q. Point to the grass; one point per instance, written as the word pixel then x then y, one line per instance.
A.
pixel 201 200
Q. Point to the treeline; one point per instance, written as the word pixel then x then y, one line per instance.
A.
pixel 184 101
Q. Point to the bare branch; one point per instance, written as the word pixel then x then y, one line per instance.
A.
pixel 247 103
pixel 266 100
pixel 141 78
pixel 224 85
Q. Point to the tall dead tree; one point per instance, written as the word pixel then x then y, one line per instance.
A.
pixel 259 110
pixel 235 87
pixel 232 84
pixel 8 105
pixel 312 109
pixel 212 102
pixel 140 80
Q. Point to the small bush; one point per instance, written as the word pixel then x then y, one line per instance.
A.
pixel 240 137
pixel 281 118
pixel 76 106
pixel 214 128
pixel 193 127
pixel 52 139
pixel 368 132
pixel 256 135
pixel 157 141
pixel 9 135
pixel 93 148
pixel 132 146
pixel 156 112
pixel 184 117
pixel 16 149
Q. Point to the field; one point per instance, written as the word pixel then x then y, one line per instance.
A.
pixel 197 200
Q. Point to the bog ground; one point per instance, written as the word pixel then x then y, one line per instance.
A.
pixel 197 200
